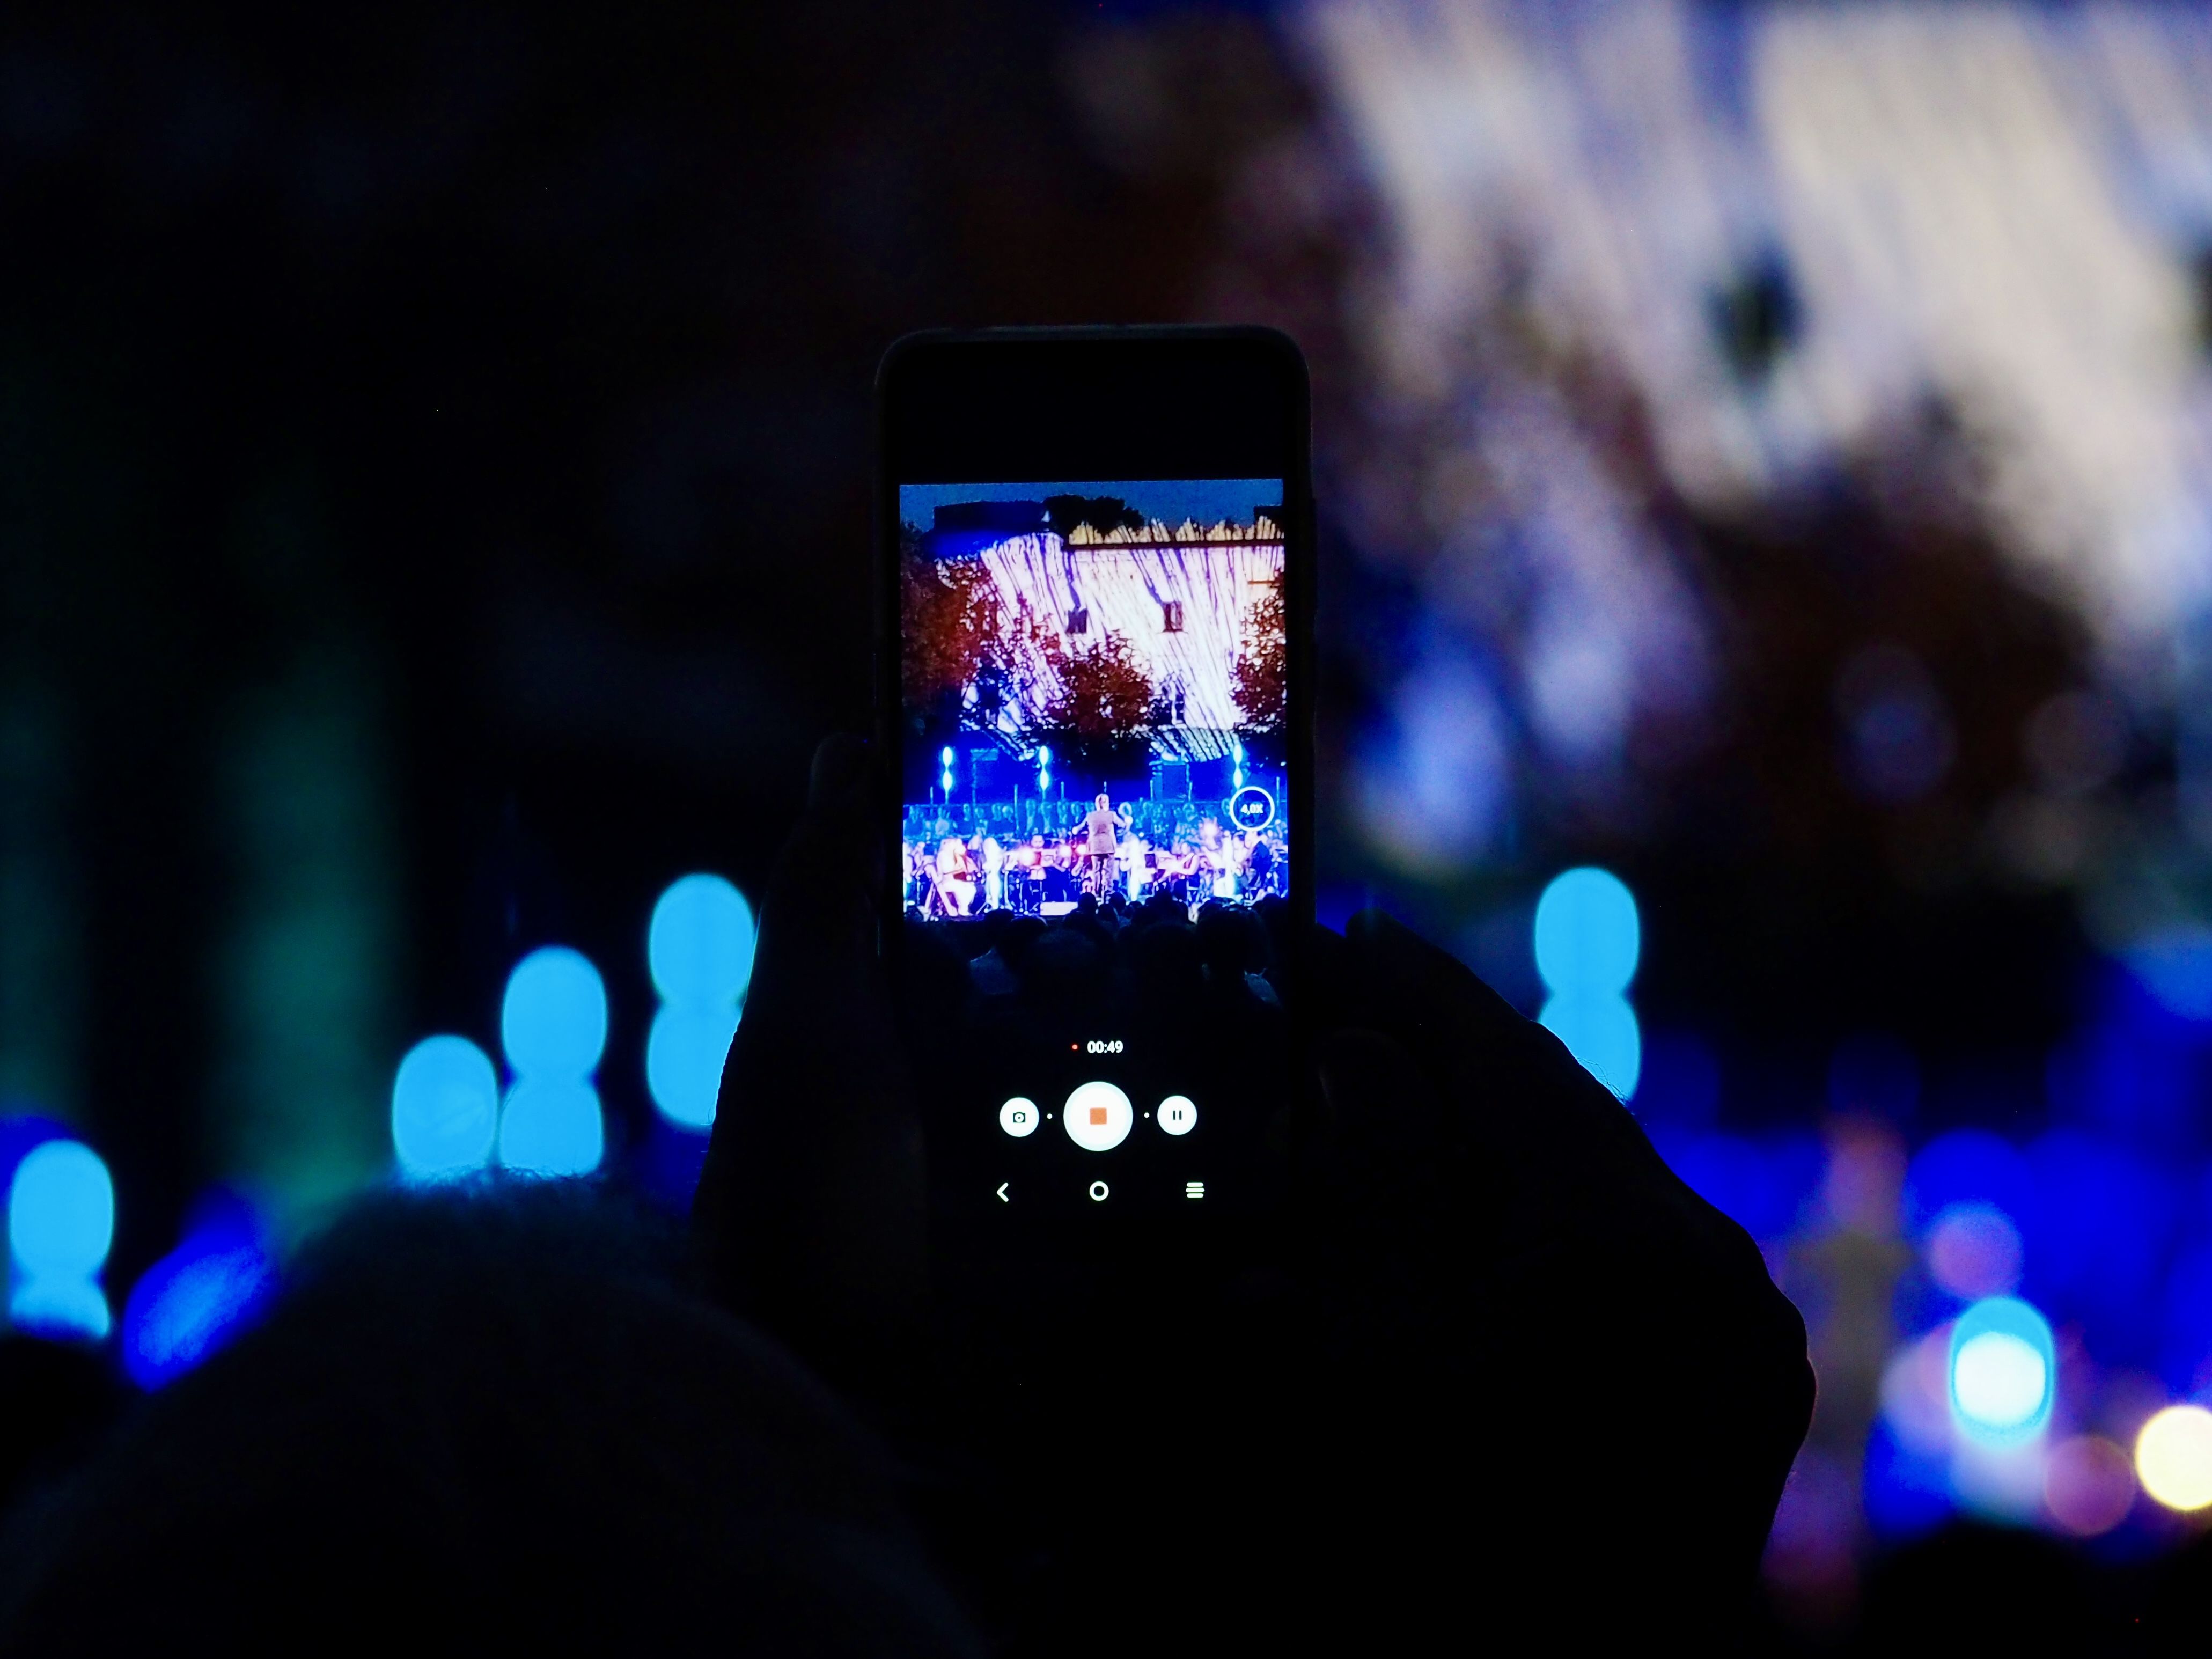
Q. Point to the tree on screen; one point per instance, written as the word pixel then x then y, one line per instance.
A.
pixel 1103 514
pixel 1104 694
pixel 950 615
pixel 1261 684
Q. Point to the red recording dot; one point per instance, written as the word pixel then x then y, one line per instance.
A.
pixel 1071 1047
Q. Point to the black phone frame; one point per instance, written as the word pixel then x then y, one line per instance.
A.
pixel 1168 401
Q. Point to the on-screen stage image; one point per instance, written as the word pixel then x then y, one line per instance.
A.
pixel 1094 692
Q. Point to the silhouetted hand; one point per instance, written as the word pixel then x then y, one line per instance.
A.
pixel 810 1211
pixel 1492 1356
pixel 1547 1336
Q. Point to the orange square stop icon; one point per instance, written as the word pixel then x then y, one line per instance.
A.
pixel 1099 1115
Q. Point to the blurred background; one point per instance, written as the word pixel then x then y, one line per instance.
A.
pixel 1763 458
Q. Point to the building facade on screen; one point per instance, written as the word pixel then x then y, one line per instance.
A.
pixel 1113 640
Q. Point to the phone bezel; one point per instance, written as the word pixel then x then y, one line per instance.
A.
pixel 1170 401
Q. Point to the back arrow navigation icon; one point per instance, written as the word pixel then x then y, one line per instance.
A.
pixel 1003 1199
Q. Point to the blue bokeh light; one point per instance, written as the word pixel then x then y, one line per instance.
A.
pixel 2175 966
pixel 1969 1166
pixel 1679 1084
pixel 1600 1029
pixel 1906 1491
pixel 445 1108
pixel 61 1221
pixel 684 1056
pixel 2186 1351
pixel 61 1212
pixel 1587 934
pixel 553 1019
pixel 699 945
pixel 214 1286
pixel 2102 1228
pixel 552 1126
pixel 2003 1372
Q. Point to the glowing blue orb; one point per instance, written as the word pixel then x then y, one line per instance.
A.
pixel 699 945
pixel 191 1303
pixel 553 1020
pixel 2003 1370
pixel 61 1212
pixel 445 1108
pixel 946 758
pixel 1587 937
pixel 1600 1029
pixel 684 1056
pixel 1044 755
pixel 552 1126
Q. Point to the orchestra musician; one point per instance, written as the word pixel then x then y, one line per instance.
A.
pixel 994 873
pixel 1030 862
pixel 956 877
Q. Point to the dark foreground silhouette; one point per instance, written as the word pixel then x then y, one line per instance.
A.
pixel 1486 1370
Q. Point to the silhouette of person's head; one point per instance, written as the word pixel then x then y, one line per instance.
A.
pixel 494 1421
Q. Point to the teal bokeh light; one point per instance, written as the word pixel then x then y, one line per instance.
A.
pixel 684 1056
pixel 444 1109
pixel 1600 1031
pixel 552 1126
pixel 61 1221
pixel 553 1019
pixel 699 946
pixel 1587 935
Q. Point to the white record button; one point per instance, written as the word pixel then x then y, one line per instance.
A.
pixel 1098 1117
pixel 1018 1117
pixel 1177 1116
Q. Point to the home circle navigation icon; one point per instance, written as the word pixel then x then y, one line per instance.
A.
pixel 1252 808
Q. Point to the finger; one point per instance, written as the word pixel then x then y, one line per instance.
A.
pixel 811 1205
pixel 816 959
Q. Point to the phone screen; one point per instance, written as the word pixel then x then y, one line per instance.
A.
pixel 1094 705
pixel 1098 728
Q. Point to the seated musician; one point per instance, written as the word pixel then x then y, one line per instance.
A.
pixel 956 877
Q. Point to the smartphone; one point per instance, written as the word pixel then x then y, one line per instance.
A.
pixel 1094 709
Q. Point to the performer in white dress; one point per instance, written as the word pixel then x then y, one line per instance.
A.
pixel 956 877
